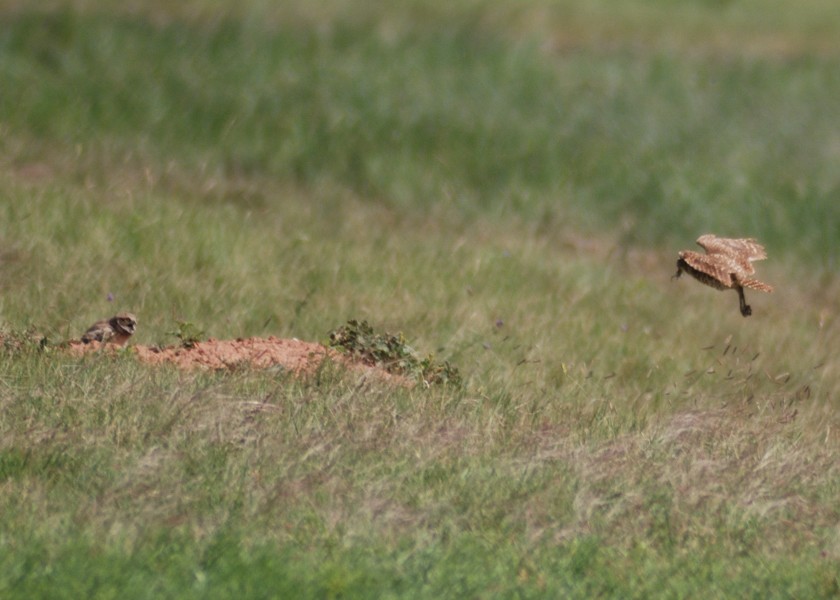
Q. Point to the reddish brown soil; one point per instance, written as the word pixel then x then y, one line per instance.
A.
pixel 296 356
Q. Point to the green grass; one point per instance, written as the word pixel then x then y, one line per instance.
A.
pixel 431 115
pixel 505 183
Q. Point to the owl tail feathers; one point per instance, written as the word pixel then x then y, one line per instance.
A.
pixel 755 284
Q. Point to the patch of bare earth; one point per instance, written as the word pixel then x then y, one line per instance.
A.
pixel 293 355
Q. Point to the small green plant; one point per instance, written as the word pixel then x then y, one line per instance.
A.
pixel 189 333
pixel 390 352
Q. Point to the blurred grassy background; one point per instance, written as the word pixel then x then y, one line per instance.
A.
pixel 507 109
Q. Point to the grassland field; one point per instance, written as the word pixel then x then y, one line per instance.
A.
pixel 507 183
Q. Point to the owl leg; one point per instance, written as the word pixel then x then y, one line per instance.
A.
pixel 745 308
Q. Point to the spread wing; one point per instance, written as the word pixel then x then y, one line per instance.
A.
pixel 740 251
pixel 748 248
pixel 718 267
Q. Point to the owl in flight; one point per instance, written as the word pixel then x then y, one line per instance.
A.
pixel 727 264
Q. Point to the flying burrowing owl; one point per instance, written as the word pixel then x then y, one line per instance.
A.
pixel 115 330
pixel 727 264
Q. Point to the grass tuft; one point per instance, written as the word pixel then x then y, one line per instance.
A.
pixel 392 353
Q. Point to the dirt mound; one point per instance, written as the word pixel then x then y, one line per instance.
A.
pixel 296 356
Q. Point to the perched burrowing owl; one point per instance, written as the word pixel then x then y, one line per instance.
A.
pixel 727 264
pixel 115 330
